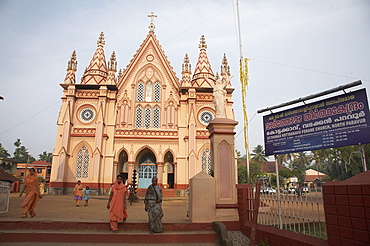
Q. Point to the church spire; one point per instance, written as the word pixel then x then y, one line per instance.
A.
pixel 203 74
pixel 96 72
pixel 186 71
pixel 71 70
pixel 112 69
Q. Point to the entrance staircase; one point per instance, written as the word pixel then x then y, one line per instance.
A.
pixel 99 233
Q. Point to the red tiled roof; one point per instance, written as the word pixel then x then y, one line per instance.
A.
pixel 269 167
pixel 5 176
pixel 40 163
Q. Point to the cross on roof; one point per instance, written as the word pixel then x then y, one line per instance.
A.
pixel 152 26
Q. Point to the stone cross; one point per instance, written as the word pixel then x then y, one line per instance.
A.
pixel 152 26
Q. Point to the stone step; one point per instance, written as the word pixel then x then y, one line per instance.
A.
pixel 90 236
pixel 165 192
pixel 95 232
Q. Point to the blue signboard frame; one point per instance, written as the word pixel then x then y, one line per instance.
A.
pixel 333 122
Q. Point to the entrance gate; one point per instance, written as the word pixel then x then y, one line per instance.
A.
pixel 146 173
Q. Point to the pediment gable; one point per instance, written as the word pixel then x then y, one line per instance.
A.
pixel 150 63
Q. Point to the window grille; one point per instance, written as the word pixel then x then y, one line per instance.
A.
pixel 156 117
pixel 206 161
pixel 139 116
pixel 85 170
pixel 147 117
pixel 140 92
pixel 157 92
pixel 82 169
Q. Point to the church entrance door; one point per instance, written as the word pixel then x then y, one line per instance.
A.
pixel 147 171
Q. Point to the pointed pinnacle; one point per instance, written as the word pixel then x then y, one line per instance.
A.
pixel 101 39
pixel 202 44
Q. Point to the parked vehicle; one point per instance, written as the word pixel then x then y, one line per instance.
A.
pixel 268 190
pixel 289 190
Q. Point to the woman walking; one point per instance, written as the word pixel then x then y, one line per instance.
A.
pixel 153 205
pixel 77 192
pixel 117 204
pixel 32 188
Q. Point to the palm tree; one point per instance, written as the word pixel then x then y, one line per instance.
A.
pixel 286 158
pixel 258 154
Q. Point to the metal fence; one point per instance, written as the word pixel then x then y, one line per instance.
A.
pixel 4 196
pixel 298 212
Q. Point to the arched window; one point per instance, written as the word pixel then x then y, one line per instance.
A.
pixel 148 92
pixel 139 117
pixel 140 92
pixel 147 117
pixel 156 117
pixel 83 159
pixel 157 92
pixel 206 161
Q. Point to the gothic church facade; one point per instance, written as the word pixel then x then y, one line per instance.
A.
pixel 142 120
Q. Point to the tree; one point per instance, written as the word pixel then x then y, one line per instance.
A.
pixel 286 158
pixel 21 153
pixel 3 152
pixel 44 156
pixel 258 154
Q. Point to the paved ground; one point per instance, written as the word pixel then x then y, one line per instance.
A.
pixel 63 208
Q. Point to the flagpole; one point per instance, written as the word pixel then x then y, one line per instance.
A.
pixel 243 72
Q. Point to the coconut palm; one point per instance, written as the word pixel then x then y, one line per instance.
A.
pixel 258 155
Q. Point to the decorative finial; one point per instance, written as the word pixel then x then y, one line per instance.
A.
pixel 72 63
pixel 152 26
pixel 112 64
pixel 225 68
pixel 202 44
pixel 186 66
pixel 101 39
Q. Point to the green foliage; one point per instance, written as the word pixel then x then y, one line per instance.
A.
pixel 41 179
pixel 21 153
pixel 343 162
pixel 4 152
pixel 258 154
pixel 44 156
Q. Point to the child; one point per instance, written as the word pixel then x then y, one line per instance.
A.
pixel 87 196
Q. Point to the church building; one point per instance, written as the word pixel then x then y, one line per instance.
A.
pixel 143 121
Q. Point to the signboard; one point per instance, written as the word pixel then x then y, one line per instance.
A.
pixel 334 122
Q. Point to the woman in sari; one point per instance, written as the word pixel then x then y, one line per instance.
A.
pixel 77 192
pixel 32 188
pixel 117 204
pixel 153 205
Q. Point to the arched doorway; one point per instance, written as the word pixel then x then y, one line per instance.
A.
pixel 168 170
pixel 122 166
pixel 147 168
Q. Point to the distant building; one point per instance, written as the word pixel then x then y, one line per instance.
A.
pixel 8 168
pixel 315 179
pixel 42 168
pixel 9 165
pixel 10 179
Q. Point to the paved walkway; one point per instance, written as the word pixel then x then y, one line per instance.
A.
pixel 63 208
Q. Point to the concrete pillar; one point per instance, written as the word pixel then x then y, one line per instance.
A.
pixel 224 166
pixel 202 205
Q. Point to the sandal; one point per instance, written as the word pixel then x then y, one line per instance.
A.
pixel 24 216
pixel 33 215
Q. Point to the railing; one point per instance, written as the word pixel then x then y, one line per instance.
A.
pixel 302 213
pixel 4 196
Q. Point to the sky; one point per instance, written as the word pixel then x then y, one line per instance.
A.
pixel 296 48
